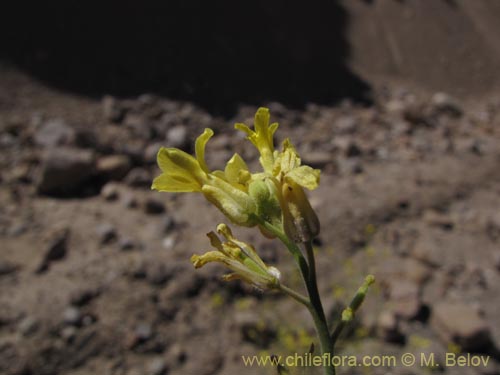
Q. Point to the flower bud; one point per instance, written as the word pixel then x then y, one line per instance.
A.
pixel 299 219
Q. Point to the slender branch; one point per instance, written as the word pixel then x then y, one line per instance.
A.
pixel 296 296
pixel 320 319
pixel 308 271
pixel 290 245
pixel 350 311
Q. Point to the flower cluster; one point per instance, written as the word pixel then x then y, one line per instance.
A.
pixel 273 196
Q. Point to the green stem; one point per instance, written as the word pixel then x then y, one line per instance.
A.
pixel 308 271
pixel 349 312
pixel 296 296
pixel 318 311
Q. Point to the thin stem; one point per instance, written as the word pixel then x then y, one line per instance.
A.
pixel 349 312
pixel 308 271
pixel 291 246
pixel 320 319
pixel 296 296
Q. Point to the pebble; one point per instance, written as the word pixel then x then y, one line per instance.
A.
pixel 153 206
pixel 27 326
pixel 127 243
pixel 81 297
pixel 405 298
pixel 317 159
pixel 110 191
pixel 157 366
pixel 72 316
pixel 388 327
pixel 444 103
pixel 68 333
pixel 64 171
pixel 346 125
pixel 130 200
pixel 106 233
pixel 56 249
pixel 462 324
pixel 112 110
pixel 158 273
pixel 113 167
pixel 139 177
pixel 7 267
pixel 177 136
pixel 54 133
pixel 167 223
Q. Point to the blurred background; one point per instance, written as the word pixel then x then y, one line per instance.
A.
pixel 397 102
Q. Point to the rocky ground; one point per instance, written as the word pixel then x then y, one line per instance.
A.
pixel 94 267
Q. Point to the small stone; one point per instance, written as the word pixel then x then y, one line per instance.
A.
pixel 127 244
pixel 167 223
pixel 106 233
pixel 317 159
pixel 388 327
pixel 54 133
pixel 7 267
pixel 444 103
pixel 151 152
pixel 427 251
pixel 56 249
pixel 113 167
pixel 138 177
pixel 169 241
pixel 405 299
pixel 68 333
pixel 72 316
pixel 346 125
pixel 64 171
pixel 434 218
pixel 83 296
pixel 130 200
pixel 158 273
pixel 110 191
pixel 350 166
pixel 157 366
pixel 27 326
pixel 352 150
pixel 496 261
pixel 112 110
pixel 177 136
pixel 154 206
pixel 142 333
pixel 462 324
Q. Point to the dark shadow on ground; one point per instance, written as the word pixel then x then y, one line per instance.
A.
pixel 216 54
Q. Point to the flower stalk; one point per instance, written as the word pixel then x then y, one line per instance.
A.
pixel 274 200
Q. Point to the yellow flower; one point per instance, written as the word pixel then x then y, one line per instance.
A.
pixel 239 257
pixel 299 219
pixel 226 190
pixel 262 137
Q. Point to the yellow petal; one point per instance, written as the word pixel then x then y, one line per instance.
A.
pixel 200 144
pixel 210 256
pixel 176 162
pixel 262 137
pixel 175 184
pixel 305 176
pixel 234 168
pixel 287 160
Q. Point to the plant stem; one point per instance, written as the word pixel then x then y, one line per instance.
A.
pixel 317 311
pixel 308 271
pixel 348 313
pixel 296 296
